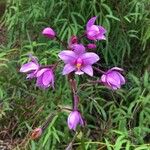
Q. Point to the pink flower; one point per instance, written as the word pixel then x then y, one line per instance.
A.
pixel 113 79
pixel 95 32
pixel 45 78
pixel 91 46
pixel 31 67
pixel 49 32
pixel 78 60
pixel 74 119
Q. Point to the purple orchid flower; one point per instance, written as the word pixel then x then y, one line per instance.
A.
pixel 78 60
pixel 49 32
pixel 74 119
pixel 95 32
pixel 31 68
pixel 45 78
pixel 113 78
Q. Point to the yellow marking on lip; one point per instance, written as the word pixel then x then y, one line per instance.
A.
pixel 78 65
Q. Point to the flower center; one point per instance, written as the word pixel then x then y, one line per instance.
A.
pixel 79 63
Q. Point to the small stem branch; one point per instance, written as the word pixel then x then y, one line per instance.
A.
pixel 73 86
pixel 99 70
pixel 46 66
pixel 53 66
pixel 64 44
pixel 76 101
pixel 83 35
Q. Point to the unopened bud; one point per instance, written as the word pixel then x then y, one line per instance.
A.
pixel 49 32
pixel 36 133
pixel 91 46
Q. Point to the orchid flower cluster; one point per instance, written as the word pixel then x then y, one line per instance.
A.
pixel 78 60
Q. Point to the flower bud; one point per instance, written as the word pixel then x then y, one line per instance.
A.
pixel 45 78
pixel 113 78
pixel 95 32
pixel 31 68
pixel 73 40
pixel 49 32
pixel 91 46
pixel 74 119
pixel 36 133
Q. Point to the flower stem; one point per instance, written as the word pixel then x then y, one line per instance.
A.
pixel 73 86
pixel 83 35
pixel 99 70
pixel 64 44
pixel 76 101
pixel 53 66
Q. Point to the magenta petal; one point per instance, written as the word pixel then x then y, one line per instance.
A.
pixel 122 79
pixel 89 58
pixel 78 48
pixel 113 79
pixel 49 32
pixel 47 78
pixel 88 70
pixel 40 72
pixel 39 82
pixel 31 75
pixel 30 66
pixel 91 34
pixel 81 121
pixel 94 28
pixel 101 37
pixel 103 78
pixel 114 87
pixel 116 68
pixel 68 56
pixel 90 22
pixel 102 30
pixel 73 120
pixel 91 46
pixel 68 68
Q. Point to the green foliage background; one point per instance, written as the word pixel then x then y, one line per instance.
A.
pixel 115 120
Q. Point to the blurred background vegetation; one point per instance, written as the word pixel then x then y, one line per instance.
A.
pixel 117 120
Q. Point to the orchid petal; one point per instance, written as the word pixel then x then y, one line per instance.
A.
pixel 103 78
pixel 68 68
pixel 30 66
pixel 79 72
pixel 39 82
pixel 116 68
pixel 78 49
pixel 90 22
pixel 68 56
pixel 113 79
pixel 47 78
pixel 88 70
pixel 40 72
pixel 122 79
pixel 101 37
pixel 49 32
pixel 89 58
pixel 31 75
pixel 102 30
